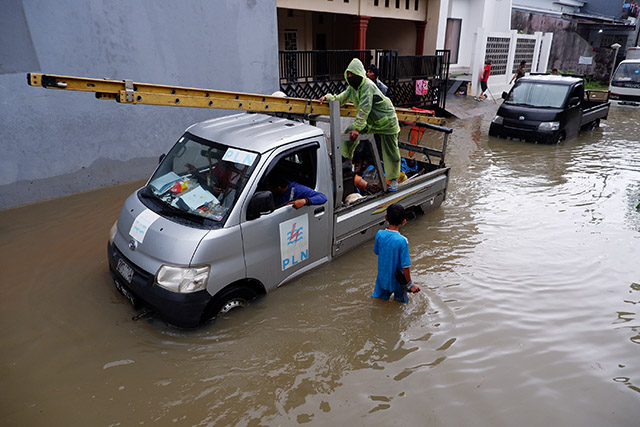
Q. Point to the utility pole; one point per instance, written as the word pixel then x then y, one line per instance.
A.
pixel 615 47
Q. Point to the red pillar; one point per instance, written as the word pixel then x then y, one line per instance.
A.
pixel 420 32
pixel 360 24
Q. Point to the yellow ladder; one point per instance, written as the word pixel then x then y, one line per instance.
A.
pixel 130 92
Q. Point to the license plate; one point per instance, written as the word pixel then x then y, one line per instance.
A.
pixel 125 271
pixel 124 291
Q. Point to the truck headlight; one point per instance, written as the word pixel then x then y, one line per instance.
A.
pixel 497 120
pixel 549 126
pixel 113 231
pixel 183 279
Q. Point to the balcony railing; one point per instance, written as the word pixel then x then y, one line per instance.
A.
pixel 312 74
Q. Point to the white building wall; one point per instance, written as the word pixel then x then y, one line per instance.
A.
pixel 469 12
pixel 499 15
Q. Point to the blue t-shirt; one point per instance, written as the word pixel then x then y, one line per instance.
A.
pixel 392 249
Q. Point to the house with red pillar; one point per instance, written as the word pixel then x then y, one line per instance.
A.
pixel 472 30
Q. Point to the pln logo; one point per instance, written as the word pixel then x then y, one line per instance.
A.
pixel 294 244
pixel 295 235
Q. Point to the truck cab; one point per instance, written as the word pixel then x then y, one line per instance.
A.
pixel 547 109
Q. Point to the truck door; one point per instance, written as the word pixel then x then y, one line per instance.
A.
pixel 283 243
pixel 574 111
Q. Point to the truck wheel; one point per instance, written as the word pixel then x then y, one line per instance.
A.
pixel 233 298
pixel 561 137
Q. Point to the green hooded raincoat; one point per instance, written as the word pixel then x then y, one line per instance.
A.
pixel 374 114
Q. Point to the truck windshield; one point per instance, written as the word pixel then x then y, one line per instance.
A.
pixel 627 73
pixel 537 94
pixel 201 177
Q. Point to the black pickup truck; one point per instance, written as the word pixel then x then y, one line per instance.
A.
pixel 548 109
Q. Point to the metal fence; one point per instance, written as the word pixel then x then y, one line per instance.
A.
pixel 312 74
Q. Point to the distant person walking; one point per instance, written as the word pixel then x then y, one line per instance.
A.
pixel 519 72
pixel 484 79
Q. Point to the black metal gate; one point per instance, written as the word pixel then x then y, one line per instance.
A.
pixel 312 74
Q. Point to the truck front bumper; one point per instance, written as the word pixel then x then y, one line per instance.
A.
pixel 526 134
pixel 181 310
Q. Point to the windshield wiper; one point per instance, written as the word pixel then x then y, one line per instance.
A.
pixel 166 208
pixel 148 194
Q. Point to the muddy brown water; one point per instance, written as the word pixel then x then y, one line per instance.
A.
pixel 528 315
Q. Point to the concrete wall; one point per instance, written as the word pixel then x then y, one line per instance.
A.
pixel 568 46
pixel 56 143
pixel 552 5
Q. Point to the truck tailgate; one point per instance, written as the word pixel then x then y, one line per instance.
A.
pixel 594 113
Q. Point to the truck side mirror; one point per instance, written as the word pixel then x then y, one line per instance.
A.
pixel 261 203
pixel 573 102
pixel 505 95
pixel 161 158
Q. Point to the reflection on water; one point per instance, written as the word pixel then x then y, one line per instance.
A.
pixel 526 315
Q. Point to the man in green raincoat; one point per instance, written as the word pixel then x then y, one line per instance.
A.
pixel 374 114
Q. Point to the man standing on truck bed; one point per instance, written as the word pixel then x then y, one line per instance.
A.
pixel 374 114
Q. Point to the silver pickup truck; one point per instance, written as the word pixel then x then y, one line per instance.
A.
pixel 203 235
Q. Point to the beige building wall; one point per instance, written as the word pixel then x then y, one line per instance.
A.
pixel 389 28
pixel 392 34
pixel 434 12
pixel 406 9
pixel 337 29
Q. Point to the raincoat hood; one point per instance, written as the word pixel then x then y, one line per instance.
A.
pixel 356 67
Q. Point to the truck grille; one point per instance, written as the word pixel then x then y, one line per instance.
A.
pixel 519 125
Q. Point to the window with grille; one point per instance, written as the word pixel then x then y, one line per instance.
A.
pixel 497 50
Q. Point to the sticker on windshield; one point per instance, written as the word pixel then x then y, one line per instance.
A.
pixel 294 241
pixel 141 224
pixel 239 156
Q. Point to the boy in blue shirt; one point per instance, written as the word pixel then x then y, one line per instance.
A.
pixel 392 249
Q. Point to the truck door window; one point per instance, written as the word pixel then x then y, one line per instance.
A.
pixel 298 165
pixel 578 92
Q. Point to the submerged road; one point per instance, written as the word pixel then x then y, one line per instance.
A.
pixel 529 313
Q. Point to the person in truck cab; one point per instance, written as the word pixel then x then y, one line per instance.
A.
pixel 374 114
pixel 287 192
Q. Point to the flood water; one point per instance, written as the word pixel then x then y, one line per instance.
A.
pixel 529 313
